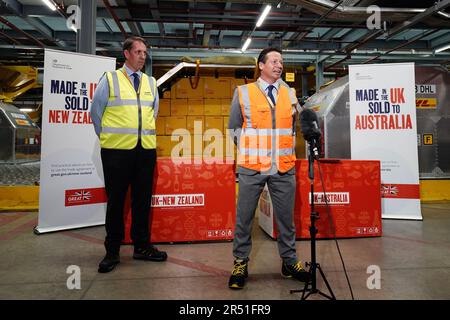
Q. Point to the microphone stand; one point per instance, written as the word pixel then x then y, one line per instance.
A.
pixel 313 154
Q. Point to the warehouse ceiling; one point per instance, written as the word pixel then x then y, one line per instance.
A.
pixel 334 33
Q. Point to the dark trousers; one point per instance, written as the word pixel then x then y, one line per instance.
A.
pixel 121 169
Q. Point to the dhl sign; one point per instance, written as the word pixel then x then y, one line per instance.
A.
pixel 426 103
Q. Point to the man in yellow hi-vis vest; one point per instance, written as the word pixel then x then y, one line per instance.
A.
pixel 123 111
pixel 262 121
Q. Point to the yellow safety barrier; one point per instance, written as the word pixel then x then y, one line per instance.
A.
pixel 17 198
pixel 434 191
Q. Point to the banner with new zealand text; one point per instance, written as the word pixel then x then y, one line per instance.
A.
pixel 71 177
pixel 383 127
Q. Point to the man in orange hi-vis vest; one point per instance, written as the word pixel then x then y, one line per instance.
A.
pixel 262 122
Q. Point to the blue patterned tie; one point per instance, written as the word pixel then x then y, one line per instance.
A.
pixel 136 81
pixel 270 94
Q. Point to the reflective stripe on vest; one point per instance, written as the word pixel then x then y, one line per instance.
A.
pixel 246 102
pixel 128 115
pixel 127 131
pixel 267 132
pixel 267 142
pixel 266 152
pixel 294 100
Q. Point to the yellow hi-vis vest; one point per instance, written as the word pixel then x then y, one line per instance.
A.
pixel 266 140
pixel 129 115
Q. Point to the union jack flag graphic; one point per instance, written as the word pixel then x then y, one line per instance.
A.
pixel 78 197
pixel 389 190
pixel 85 195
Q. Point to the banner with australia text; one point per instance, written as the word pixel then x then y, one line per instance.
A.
pixel 383 127
pixel 71 177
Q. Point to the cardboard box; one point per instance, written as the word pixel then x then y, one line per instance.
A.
pixel 216 88
pixel 214 122
pixel 167 94
pixel 225 124
pixel 234 83
pixel 213 107
pixel 186 146
pixel 214 146
pixel 175 146
pixel 195 107
pixel 225 105
pixel 218 146
pixel 230 149
pixel 178 107
pixel 197 145
pixel 184 90
pixel 164 107
pixel 160 126
pixel 212 150
pixel 163 146
pixel 173 92
pixel 175 122
pixel 190 124
pixel 180 145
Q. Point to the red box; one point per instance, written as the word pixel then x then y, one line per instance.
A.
pixel 190 202
pixel 353 188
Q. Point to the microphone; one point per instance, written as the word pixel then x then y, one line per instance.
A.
pixel 310 129
pixel 309 125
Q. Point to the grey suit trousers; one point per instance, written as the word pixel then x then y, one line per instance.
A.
pixel 282 192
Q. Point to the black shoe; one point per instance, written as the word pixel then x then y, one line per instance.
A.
pixel 149 253
pixel 295 271
pixel 238 275
pixel 109 262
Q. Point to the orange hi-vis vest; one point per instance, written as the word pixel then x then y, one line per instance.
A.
pixel 267 136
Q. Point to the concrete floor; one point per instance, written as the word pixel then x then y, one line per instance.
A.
pixel 413 257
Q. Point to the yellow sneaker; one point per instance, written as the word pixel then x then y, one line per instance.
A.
pixel 295 271
pixel 239 274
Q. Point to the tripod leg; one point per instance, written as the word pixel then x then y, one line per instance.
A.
pixel 304 291
pixel 305 288
pixel 326 283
